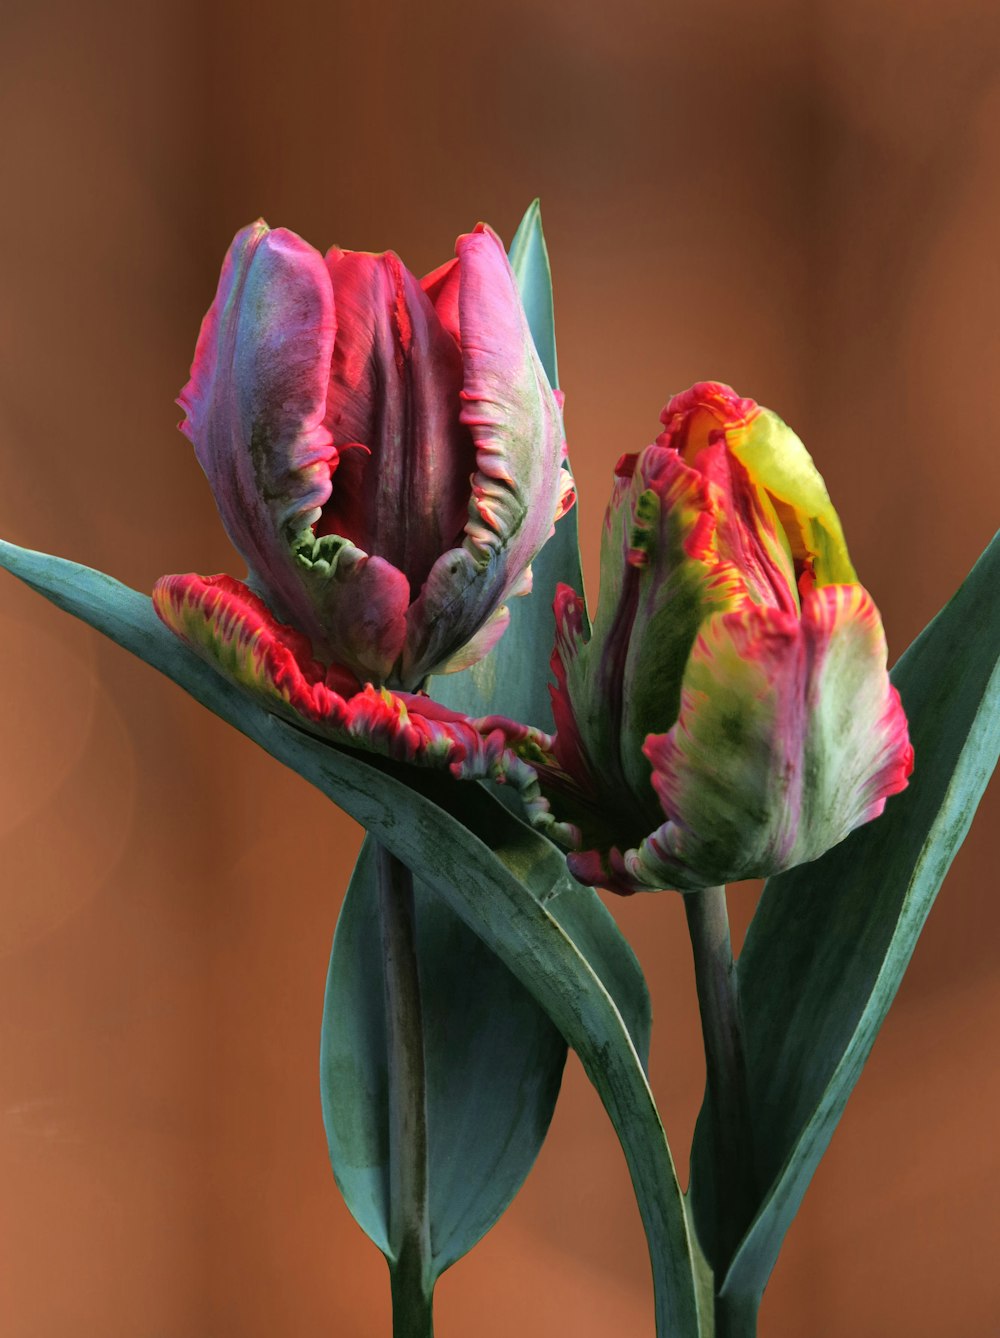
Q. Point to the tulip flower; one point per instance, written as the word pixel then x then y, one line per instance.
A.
pixel 731 715
pixel 387 456
pixel 385 453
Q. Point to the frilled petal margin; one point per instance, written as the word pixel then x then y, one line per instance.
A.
pixel 519 488
pixel 789 736
pixel 229 627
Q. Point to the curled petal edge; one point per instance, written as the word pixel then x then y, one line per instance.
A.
pixel 233 630
pixel 521 485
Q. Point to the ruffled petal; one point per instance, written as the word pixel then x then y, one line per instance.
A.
pixel 789 736
pixel 519 485
pixel 255 405
pixel 364 601
pixel 747 532
pixel 234 631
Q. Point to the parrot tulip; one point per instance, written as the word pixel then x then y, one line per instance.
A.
pixel 386 453
pixel 731 714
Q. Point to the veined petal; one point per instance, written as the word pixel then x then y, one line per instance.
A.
pixel 776 461
pixel 683 578
pixel 661 575
pixel 748 532
pixel 569 744
pixel 364 601
pixel 394 391
pixel 480 645
pixel 589 691
pixel 789 736
pixel 234 631
pixel 780 463
pixel 519 485
pixel 255 405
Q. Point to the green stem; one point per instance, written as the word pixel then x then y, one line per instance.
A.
pixel 412 1305
pixel 735 1318
pixel 409 1224
pixel 718 1000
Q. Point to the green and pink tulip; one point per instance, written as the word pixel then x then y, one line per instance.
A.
pixel 731 715
pixel 387 456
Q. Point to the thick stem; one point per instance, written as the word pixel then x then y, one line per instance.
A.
pixel 735 1318
pixel 718 1000
pixel 412 1306
pixel 409 1226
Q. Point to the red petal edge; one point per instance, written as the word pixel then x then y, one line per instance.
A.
pixel 233 630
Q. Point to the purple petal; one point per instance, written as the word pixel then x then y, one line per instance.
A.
pixel 255 405
pixel 394 391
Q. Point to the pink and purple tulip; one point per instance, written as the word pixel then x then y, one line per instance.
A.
pixel 731 715
pixel 386 453
pixel 387 456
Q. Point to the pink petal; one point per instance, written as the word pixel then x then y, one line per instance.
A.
pixel 519 485
pixel 227 625
pixel 255 406
pixel 789 736
pixel 442 286
pixel 394 390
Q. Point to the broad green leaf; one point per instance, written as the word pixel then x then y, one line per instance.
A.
pixel 513 679
pixel 492 870
pixel 830 940
pixel 493 1060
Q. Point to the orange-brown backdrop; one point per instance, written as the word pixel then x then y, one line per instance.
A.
pixel 799 196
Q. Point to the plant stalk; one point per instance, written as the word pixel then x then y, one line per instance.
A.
pixel 735 1318
pixel 409 1223
pixel 722 1030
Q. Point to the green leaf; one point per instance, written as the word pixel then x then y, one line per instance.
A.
pixel 529 259
pixel 587 922
pixel 492 870
pixel 493 1061
pixel 830 940
pixel 513 679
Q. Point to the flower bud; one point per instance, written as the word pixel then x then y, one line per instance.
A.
pixel 731 714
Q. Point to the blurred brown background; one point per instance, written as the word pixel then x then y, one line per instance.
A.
pixel 800 197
